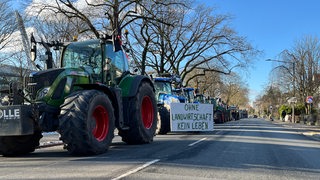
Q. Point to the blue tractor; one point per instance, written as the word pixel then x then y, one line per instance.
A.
pixel 179 92
pixel 165 96
pixel 189 94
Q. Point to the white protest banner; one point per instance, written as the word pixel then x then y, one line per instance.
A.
pixel 191 117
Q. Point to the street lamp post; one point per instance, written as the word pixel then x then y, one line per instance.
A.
pixel 293 79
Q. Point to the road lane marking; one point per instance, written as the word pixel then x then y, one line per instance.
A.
pixel 192 144
pixel 136 169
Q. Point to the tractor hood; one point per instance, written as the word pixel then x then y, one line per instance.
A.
pixel 52 85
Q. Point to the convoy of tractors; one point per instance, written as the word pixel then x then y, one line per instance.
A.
pixel 91 94
pixel 167 94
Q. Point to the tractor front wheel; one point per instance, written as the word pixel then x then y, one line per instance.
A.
pixel 164 118
pixel 87 122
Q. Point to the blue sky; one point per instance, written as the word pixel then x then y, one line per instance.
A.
pixel 271 26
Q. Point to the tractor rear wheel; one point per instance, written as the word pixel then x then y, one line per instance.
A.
pixel 19 145
pixel 87 122
pixel 143 110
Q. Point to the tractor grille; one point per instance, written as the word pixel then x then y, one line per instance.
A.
pixel 40 80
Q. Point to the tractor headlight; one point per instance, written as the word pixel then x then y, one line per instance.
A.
pixel 43 92
pixel 171 99
pixel 174 100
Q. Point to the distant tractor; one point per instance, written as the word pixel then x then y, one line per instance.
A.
pixel 200 98
pixel 180 95
pixel 85 100
pixel 165 96
pixel 189 93
pixel 220 111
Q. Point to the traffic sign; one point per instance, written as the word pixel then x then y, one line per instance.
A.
pixel 309 99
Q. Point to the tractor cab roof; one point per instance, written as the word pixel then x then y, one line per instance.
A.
pixel 163 79
pixel 188 89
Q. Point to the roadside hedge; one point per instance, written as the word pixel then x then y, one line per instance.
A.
pixel 298 109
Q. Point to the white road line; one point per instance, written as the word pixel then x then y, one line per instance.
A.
pixel 137 169
pixel 197 141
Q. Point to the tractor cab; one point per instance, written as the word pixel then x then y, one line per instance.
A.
pixel 164 91
pixel 98 59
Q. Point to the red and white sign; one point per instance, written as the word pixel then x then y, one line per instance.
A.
pixel 309 99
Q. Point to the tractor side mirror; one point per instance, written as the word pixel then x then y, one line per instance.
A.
pixel 33 51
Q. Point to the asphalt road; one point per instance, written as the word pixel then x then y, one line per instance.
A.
pixel 244 149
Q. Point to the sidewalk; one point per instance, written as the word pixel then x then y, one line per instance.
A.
pixel 312 131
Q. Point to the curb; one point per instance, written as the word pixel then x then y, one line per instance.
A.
pixel 312 134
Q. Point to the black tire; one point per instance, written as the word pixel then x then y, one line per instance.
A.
pixel 19 145
pixel 87 122
pixel 218 117
pixel 142 109
pixel 164 120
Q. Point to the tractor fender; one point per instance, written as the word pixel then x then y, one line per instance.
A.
pixel 130 84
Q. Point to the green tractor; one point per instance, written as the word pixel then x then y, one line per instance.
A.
pixel 84 101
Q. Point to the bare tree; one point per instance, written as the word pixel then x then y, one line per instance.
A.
pixel 195 40
pixel 91 19
pixel 298 71
pixel 63 19
pixel 149 38
pixel 209 84
pixel 209 44
pixel 97 16
pixel 301 67
pixel 7 24
pixel 234 91
pixel 271 98
pixel 19 66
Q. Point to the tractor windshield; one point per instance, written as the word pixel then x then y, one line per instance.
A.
pixel 164 87
pixel 85 54
pixel 88 55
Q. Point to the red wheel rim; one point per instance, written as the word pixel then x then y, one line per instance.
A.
pixel 147 112
pixel 101 117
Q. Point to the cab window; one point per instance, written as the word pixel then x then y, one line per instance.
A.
pixel 85 54
pixel 118 60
